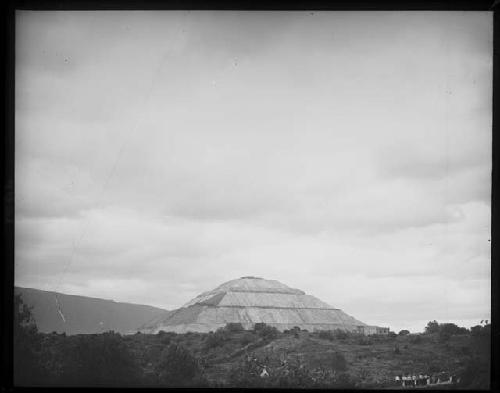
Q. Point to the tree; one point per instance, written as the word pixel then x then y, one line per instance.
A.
pixel 478 330
pixel 446 330
pixel 28 370
pixel 404 332
pixel 432 327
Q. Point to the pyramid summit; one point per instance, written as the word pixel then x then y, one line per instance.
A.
pixel 249 300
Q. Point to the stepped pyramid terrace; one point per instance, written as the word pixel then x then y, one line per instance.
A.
pixel 250 300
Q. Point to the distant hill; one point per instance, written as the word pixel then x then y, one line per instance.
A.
pixel 86 315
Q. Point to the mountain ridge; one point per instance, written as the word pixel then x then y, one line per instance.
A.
pixel 84 314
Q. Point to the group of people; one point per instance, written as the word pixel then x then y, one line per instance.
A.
pixel 421 379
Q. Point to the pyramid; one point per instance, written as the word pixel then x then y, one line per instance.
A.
pixel 251 300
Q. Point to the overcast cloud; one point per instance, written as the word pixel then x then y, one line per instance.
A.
pixel 348 154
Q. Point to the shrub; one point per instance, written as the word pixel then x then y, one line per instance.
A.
pixel 216 339
pixel 96 360
pixel 451 329
pixel 415 339
pixel 434 367
pixel 247 338
pixel 465 351
pixel 265 331
pixel 246 373
pixel 234 327
pixel 338 362
pixel 340 334
pixel 364 341
pixel 177 367
pixel 326 335
pixel 476 375
pixel 295 375
pixel 444 335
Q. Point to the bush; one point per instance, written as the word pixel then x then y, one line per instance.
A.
pixel 338 362
pixel 217 339
pixel 476 375
pixel 247 338
pixel 326 335
pixel 265 331
pixel 294 374
pixel 340 334
pixel 364 341
pixel 465 351
pixel 444 336
pixel 246 374
pixel 434 367
pixel 94 360
pixel 451 329
pixel 234 327
pixel 415 339
pixel 177 367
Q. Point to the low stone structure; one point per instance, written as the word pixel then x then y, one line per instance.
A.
pixel 251 300
pixel 369 330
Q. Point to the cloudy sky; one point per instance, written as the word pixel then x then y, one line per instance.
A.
pixel 348 154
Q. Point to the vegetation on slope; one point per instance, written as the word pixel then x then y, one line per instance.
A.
pixel 234 357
